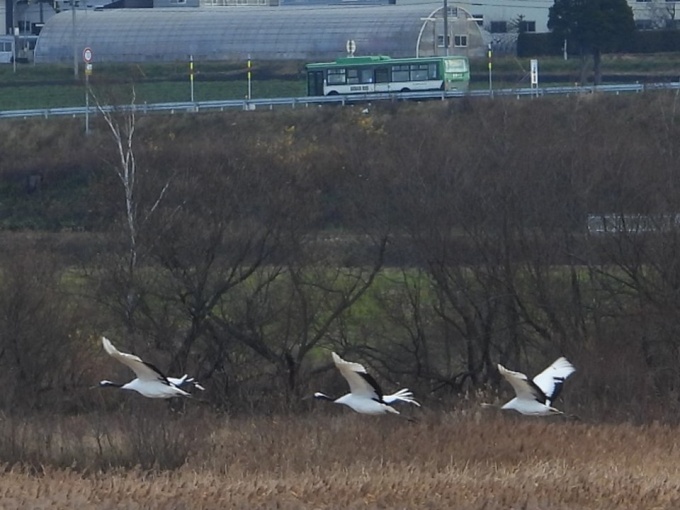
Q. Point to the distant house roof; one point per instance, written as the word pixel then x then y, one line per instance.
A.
pixel 229 33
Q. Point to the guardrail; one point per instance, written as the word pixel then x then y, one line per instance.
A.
pixel 252 104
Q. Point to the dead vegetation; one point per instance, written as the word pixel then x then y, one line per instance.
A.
pixel 467 459
pixel 427 240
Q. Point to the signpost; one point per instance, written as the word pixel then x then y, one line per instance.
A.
pixel 15 31
pixel 250 87
pixel 87 58
pixel 191 76
pixel 490 58
pixel 534 75
pixel 87 55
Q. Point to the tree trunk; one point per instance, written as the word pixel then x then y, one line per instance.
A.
pixel 584 67
pixel 597 66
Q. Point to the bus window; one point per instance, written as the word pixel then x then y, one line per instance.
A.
pixel 418 72
pixel 400 73
pixel 455 66
pixel 336 77
pixel 352 76
pixel 367 76
pixel 432 73
pixel 382 75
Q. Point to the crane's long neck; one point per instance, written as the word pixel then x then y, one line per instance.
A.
pixel 109 384
pixel 323 396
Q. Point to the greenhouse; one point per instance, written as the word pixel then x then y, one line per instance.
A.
pixel 262 33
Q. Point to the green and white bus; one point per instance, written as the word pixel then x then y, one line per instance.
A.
pixel 363 75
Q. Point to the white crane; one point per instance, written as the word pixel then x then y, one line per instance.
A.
pixel 150 381
pixel 365 395
pixel 535 396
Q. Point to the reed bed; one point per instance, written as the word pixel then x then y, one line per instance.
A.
pixel 474 460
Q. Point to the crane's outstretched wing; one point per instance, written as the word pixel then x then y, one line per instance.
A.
pixel 552 378
pixel 144 371
pixel 360 382
pixel 525 388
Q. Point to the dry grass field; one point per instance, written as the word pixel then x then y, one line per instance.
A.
pixel 479 459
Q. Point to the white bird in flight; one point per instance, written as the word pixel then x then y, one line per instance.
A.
pixel 365 395
pixel 150 381
pixel 535 396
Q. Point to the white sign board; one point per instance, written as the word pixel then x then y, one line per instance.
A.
pixel 534 71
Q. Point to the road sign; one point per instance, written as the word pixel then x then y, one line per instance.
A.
pixel 351 46
pixel 534 71
pixel 87 55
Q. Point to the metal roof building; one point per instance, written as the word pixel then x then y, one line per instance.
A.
pixel 263 33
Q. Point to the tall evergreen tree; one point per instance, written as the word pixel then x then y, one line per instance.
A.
pixel 592 27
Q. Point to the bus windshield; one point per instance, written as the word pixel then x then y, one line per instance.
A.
pixel 455 66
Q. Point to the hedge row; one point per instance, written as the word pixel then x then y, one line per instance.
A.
pixel 643 41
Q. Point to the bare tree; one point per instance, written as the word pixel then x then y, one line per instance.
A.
pixel 40 360
pixel 122 123
pixel 661 14
pixel 247 263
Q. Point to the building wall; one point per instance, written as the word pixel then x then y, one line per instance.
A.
pixel 236 3
pixel 655 14
pixel 465 36
pixel 175 3
pixel 500 18
pixel 500 15
pixel 226 33
pixel 509 12
pixel 27 17
pixel 648 14
pixel 492 15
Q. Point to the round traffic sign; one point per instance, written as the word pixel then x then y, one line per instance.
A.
pixel 87 55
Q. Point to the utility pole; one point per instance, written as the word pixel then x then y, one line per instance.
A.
pixel 15 30
pixel 73 39
pixel 446 27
